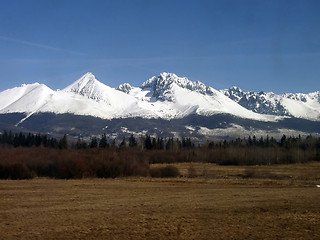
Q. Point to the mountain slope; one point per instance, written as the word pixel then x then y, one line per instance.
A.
pixel 108 102
pixel 86 96
pixel 27 98
pixel 178 97
pixel 166 105
pixel 165 96
pixel 297 105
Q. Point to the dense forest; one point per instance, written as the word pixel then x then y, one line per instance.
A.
pixel 25 156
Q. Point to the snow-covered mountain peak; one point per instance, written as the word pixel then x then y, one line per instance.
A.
pixel 26 98
pixel 234 93
pixel 29 84
pixel 303 97
pixel 163 79
pixel 165 96
pixel 315 95
pixel 83 84
pixel 162 86
pixel 166 79
pixel 287 104
pixel 125 87
pixel 90 87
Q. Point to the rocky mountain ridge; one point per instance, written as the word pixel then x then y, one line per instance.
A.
pixel 164 105
pixel 287 104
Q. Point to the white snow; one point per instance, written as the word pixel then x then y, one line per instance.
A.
pixel 236 131
pixel 12 95
pixel 179 97
pixel 25 99
pixel 190 128
pixel 302 105
pixel 165 96
pixel 294 104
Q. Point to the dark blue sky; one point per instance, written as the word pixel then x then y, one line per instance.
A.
pixel 254 44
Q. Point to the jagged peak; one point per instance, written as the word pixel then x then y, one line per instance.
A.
pixel 236 88
pixel 125 87
pixel 168 75
pixel 233 89
pixel 164 79
pixel 235 93
pixel 162 84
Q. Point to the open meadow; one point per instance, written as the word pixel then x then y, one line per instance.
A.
pixel 207 202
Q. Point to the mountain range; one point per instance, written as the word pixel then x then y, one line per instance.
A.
pixel 165 105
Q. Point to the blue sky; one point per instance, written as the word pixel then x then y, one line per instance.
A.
pixel 254 44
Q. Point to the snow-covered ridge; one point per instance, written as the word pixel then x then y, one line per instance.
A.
pixel 25 98
pixel 288 104
pixel 164 96
pixel 161 86
pixel 125 87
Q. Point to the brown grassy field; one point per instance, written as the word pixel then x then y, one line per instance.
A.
pixel 208 202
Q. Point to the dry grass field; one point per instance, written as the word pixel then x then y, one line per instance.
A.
pixel 208 202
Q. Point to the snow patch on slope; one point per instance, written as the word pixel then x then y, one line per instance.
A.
pixel 288 104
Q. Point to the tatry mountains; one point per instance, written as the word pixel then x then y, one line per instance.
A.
pixel 163 106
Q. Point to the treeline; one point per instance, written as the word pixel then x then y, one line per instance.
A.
pixel 241 151
pixel 36 155
pixel 32 140
pixel 308 143
pixel 170 144
pixel 143 143
pixel 151 143
pixel 263 151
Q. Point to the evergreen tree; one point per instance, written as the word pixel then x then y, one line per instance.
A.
pixel 103 141
pixel 154 143
pixel 113 143
pixel 161 144
pixel 38 140
pixel 283 140
pixel 186 143
pixel 94 142
pixel 254 140
pixel 158 144
pixel 132 141
pixel 261 142
pixel 44 141
pixel 53 143
pixel 19 140
pixel 78 144
pixel 7 138
pixel 30 140
pixel 169 144
pixel 63 143
pixel 148 143
pixel 267 143
pixel 123 143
